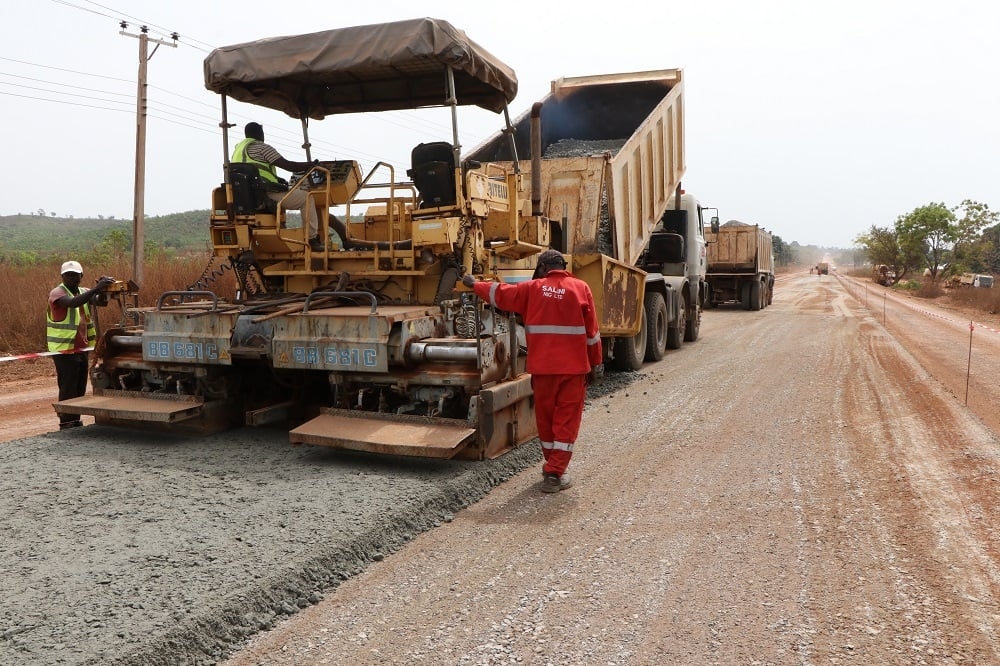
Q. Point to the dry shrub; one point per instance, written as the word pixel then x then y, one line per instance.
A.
pixel 24 298
pixel 982 299
pixel 929 289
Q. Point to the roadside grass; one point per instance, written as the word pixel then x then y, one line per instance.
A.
pixel 983 300
pixel 26 289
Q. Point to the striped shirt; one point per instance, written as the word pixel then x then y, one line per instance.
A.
pixel 262 152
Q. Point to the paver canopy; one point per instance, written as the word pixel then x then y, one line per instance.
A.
pixel 379 67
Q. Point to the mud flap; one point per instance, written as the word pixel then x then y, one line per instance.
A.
pixel 394 434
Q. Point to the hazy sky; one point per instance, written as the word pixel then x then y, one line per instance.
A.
pixel 814 120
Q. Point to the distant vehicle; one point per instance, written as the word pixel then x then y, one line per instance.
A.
pixel 823 268
pixel 740 265
pixel 976 280
pixel 883 275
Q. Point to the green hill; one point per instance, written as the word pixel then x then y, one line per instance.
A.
pixel 43 235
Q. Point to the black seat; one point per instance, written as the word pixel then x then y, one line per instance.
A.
pixel 665 248
pixel 664 254
pixel 674 221
pixel 433 173
pixel 249 190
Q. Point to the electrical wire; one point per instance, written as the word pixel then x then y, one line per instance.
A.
pixel 285 139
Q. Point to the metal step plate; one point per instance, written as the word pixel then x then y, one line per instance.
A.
pixel 132 406
pixel 393 434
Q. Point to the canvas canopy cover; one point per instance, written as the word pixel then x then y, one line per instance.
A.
pixel 379 67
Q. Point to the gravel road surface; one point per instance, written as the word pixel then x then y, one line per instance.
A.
pixel 796 487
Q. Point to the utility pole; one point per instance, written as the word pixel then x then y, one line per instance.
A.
pixel 138 205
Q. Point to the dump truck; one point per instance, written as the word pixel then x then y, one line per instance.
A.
pixel 884 275
pixel 975 280
pixel 740 265
pixel 370 342
pixel 823 268
pixel 607 161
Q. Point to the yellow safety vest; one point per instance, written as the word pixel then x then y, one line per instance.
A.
pixel 267 171
pixel 61 335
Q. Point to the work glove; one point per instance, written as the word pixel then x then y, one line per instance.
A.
pixel 104 282
pixel 595 373
pixel 468 281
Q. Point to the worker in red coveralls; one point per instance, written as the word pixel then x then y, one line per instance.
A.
pixel 564 353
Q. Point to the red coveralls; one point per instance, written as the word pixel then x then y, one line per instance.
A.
pixel 564 344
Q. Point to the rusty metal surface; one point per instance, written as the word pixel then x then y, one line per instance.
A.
pixel 618 292
pixel 179 335
pixel 639 117
pixel 384 433
pixel 347 339
pixel 506 414
pixel 130 406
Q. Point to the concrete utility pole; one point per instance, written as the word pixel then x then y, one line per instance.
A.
pixel 138 206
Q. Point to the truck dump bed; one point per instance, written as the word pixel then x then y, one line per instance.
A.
pixel 740 248
pixel 612 150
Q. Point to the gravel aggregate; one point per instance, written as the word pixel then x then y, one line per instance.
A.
pixel 126 547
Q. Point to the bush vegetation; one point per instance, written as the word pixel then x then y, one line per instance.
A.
pixel 33 247
pixel 984 300
pixel 25 296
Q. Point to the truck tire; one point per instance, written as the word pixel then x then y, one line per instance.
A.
pixel 756 297
pixel 656 326
pixel 770 290
pixel 675 334
pixel 693 325
pixel 629 352
pixel 745 295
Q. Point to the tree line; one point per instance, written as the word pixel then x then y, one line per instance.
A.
pixel 937 238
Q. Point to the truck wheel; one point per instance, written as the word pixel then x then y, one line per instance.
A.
pixel 629 352
pixel 693 326
pixel 755 295
pixel 770 291
pixel 656 326
pixel 745 296
pixel 675 334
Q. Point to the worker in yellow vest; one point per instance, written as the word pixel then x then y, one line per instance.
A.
pixel 70 330
pixel 253 150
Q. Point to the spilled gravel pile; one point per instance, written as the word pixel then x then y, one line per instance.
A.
pixel 123 547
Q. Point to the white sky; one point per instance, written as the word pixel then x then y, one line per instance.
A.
pixel 813 120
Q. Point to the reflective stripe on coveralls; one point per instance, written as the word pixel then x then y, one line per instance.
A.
pixel 557 446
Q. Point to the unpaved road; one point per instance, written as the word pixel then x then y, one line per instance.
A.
pixel 797 487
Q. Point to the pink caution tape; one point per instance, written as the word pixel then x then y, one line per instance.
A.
pixel 41 354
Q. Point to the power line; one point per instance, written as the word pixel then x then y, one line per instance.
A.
pixel 175 122
pixel 56 83
pixel 62 69
pixel 406 122
pixel 70 4
pixel 60 101
pixel 56 92
pixel 110 16
pixel 119 15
